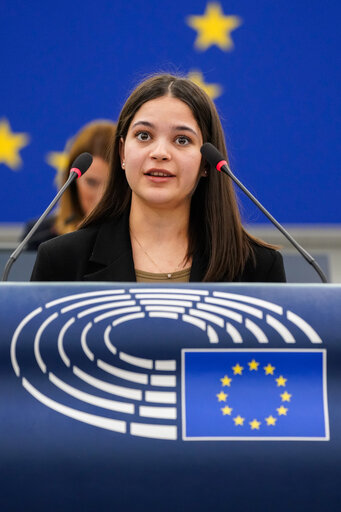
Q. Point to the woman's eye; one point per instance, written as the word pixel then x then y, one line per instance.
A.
pixel 182 140
pixel 143 136
pixel 91 182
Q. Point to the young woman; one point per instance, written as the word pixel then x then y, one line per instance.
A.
pixel 165 215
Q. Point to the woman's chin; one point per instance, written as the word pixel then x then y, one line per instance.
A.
pixel 163 199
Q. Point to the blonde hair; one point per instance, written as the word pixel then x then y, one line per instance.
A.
pixel 96 138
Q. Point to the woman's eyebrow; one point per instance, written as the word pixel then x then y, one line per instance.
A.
pixel 144 123
pixel 186 128
pixel 175 128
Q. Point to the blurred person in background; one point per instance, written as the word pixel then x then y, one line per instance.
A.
pixel 83 194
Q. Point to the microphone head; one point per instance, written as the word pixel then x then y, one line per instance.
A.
pixel 81 164
pixel 211 154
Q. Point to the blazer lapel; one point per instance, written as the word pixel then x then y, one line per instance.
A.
pixel 112 258
pixel 198 268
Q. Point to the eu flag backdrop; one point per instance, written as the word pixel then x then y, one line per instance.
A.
pixel 271 68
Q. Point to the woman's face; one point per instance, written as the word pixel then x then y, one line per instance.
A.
pixel 161 153
pixel 91 186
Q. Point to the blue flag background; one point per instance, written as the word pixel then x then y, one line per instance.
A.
pixel 271 67
pixel 249 394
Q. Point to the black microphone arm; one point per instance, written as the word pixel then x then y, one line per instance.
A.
pixel 78 168
pixel 215 158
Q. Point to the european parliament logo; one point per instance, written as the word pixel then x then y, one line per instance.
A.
pixel 254 394
pixel 171 363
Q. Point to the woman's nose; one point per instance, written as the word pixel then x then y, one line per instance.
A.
pixel 160 151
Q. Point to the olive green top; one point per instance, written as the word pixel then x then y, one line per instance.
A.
pixel 181 276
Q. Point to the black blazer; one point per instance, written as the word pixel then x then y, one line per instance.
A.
pixel 103 253
pixel 45 232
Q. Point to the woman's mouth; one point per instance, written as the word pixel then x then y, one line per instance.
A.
pixel 159 174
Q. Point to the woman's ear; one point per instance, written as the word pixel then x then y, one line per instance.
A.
pixel 121 149
pixel 204 171
pixel 204 168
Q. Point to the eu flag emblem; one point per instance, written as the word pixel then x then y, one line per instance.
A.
pixel 255 394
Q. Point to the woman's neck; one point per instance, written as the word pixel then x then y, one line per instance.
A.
pixel 162 224
pixel 159 238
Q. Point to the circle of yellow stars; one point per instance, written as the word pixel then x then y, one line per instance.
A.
pixel 213 27
pixel 253 366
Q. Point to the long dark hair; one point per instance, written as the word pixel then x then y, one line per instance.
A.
pixel 215 228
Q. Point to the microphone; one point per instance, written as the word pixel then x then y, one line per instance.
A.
pixel 216 159
pixel 78 168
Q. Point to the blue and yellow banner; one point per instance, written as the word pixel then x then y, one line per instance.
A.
pixel 271 68
pixel 262 394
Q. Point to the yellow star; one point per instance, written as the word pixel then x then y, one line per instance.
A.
pixel 226 410
pixel 212 90
pixel 269 370
pixel 254 424
pixel 285 396
pixel 238 420
pixel 222 396
pixel 226 381
pixel 253 365
pixel 270 420
pixel 214 28
pixel 58 160
pixel 237 369
pixel 282 411
pixel 10 145
pixel 281 381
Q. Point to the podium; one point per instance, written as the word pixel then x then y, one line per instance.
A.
pixel 135 397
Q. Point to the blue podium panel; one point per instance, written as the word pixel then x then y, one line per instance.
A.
pixel 182 397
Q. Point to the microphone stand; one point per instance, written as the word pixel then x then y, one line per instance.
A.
pixel 16 253
pixel 287 235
